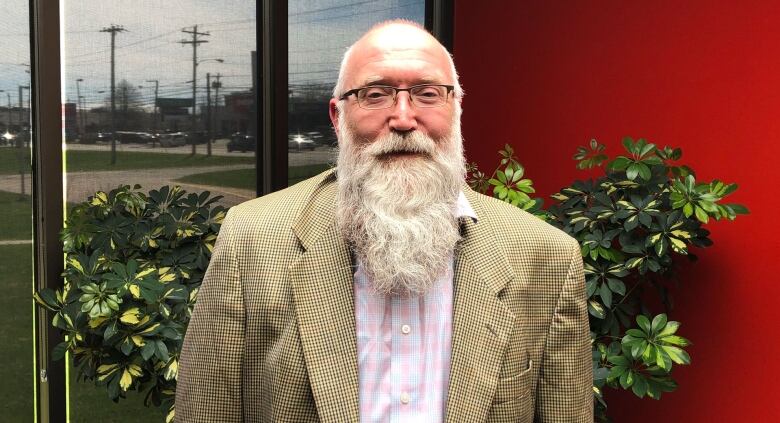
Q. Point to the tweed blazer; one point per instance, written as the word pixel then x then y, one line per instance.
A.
pixel 272 336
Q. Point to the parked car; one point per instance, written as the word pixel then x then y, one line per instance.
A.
pixel 172 140
pixel 127 137
pixel 197 137
pixel 300 142
pixel 241 142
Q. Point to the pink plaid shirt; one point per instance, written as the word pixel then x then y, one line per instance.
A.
pixel 403 347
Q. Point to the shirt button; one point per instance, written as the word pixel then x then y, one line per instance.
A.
pixel 406 329
pixel 404 398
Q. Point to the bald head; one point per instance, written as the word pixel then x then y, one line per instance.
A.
pixel 395 40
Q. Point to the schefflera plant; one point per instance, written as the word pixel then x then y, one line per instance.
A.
pixel 134 263
pixel 631 223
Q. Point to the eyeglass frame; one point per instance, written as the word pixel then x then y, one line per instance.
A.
pixel 396 90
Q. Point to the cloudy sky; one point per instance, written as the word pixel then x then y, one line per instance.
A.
pixel 318 32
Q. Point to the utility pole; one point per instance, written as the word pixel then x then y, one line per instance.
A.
pixel 113 29
pixel 21 103
pixel 8 127
pixel 217 86
pixel 124 108
pixel 208 113
pixel 195 41
pixel 154 124
pixel 80 112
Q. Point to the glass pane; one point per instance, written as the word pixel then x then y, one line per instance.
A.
pixel 319 31
pixel 149 133
pixel 16 321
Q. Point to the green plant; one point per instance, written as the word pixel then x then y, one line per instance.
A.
pixel 134 263
pixel 631 223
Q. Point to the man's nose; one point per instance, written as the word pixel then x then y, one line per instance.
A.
pixel 403 117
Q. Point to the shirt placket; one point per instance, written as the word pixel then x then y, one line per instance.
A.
pixel 405 357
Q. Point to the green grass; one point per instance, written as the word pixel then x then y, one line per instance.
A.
pixel 16 220
pixel 245 178
pixel 16 329
pixel 90 403
pixel 87 403
pixel 87 160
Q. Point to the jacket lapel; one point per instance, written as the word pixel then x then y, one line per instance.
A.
pixel 324 304
pixel 482 324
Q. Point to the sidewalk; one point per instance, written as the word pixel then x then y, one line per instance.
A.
pixel 81 185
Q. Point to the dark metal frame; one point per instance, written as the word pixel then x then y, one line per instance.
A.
pixel 272 163
pixel 46 125
pixel 439 19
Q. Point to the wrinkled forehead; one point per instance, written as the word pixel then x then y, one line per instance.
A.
pixel 398 51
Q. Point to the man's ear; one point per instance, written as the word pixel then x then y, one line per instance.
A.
pixel 333 111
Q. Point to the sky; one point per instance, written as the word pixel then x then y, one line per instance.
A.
pixel 318 31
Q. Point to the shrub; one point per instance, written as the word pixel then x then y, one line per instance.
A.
pixel 630 223
pixel 134 263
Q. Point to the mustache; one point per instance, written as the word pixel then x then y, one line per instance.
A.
pixel 395 142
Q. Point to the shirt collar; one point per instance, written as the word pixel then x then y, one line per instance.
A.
pixel 463 208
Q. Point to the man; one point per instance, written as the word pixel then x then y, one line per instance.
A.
pixel 387 290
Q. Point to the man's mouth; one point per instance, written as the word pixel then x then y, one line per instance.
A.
pixel 400 154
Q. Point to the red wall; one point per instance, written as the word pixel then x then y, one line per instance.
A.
pixel 547 76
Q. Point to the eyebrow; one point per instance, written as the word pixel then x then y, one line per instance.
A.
pixel 380 80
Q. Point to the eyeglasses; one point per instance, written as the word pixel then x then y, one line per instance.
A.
pixel 381 96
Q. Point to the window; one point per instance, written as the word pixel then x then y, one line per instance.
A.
pixel 155 57
pixel 318 34
pixel 16 253
pixel 150 93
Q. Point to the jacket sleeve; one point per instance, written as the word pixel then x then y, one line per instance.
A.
pixel 209 379
pixel 565 391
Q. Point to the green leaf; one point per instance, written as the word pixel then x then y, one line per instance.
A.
pixel 606 295
pixel 58 353
pixel 632 171
pixel 675 340
pixel 619 163
pixel 617 286
pixel 701 214
pixel 628 144
pixel 148 350
pixel 677 355
pixel 644 323
pixel 627 379
pixel 161 350
pixel 596 309
pixel 639 387
pixel 659 322
pixel 670 328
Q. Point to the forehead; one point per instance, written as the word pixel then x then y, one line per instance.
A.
pixel 398 55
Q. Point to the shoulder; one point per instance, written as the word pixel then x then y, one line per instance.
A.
pixel 277 210
pixel 516 227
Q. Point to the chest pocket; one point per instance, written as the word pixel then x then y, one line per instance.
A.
pixel 515 387
pixel 513 401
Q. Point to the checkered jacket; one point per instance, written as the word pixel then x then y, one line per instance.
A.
pixel 272 337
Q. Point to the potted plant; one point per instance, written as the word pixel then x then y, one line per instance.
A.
pixel 134 262
pixel 631 222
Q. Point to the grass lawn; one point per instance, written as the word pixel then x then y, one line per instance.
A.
pixel 15 216
pixel 16 329
pixel 245 178
pixel 87 403
pixel 86 160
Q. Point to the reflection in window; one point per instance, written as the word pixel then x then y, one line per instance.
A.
pixel 171 103
pixel 16 321
pixel 319 31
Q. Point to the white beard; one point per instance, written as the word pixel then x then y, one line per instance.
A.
pixel 398 214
